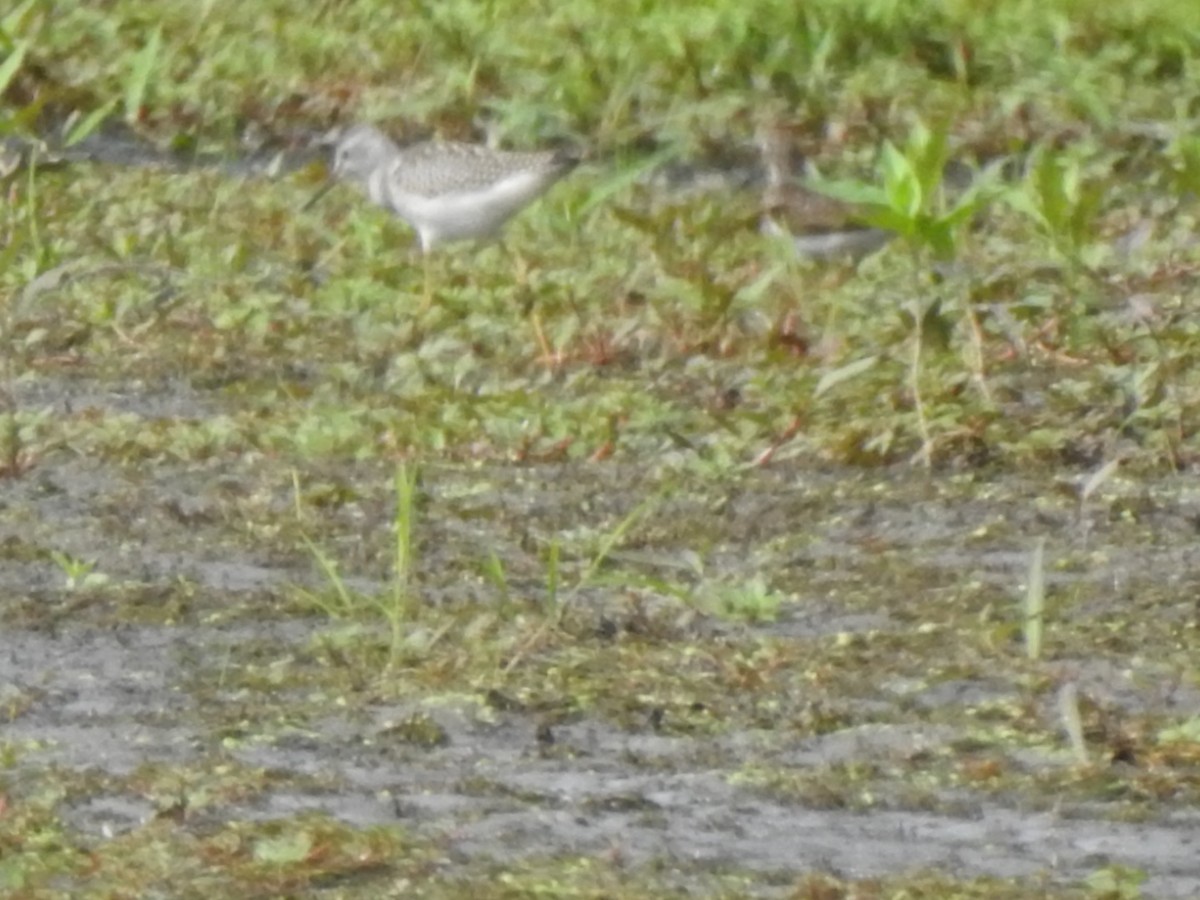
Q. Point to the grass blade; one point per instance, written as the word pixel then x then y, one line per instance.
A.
pixel 141 68
pixel 12 64
pixel 1035 602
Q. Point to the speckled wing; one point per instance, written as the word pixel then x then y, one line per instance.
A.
pixel 437 169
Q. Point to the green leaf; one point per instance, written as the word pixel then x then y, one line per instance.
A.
pixel 1187 731
pixel 850 191
pixel 1022 200
pixel 142 67
pixel 939 234
pixel 927 152
pixel 832 379
pixel 12 64
pixel 901 183
pixel 285 849
pixel 890 220
pixel 89 123
pixel 14 22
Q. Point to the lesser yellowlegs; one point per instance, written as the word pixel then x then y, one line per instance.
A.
pixel 446 191
pixel 820 227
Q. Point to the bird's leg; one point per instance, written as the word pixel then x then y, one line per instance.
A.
pixel 521 279
pixel 427 295
pixel 422 246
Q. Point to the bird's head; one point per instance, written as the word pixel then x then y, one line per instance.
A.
pixel 358 151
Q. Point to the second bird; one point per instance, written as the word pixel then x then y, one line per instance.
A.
pixel 819 226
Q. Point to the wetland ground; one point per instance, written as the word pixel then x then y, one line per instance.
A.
pixel 649 561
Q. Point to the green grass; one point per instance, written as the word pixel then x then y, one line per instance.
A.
pixel 640 425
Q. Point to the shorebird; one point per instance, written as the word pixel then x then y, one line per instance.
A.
pixel 819 226
pixel 446 191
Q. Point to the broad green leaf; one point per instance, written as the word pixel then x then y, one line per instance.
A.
pixel 901 183
pixel 850 191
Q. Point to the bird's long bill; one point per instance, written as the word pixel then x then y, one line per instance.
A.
pixel 316 197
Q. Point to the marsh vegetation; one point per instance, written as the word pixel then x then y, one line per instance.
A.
pixel 648 560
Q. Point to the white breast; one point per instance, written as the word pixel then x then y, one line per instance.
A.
pixel 465 215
